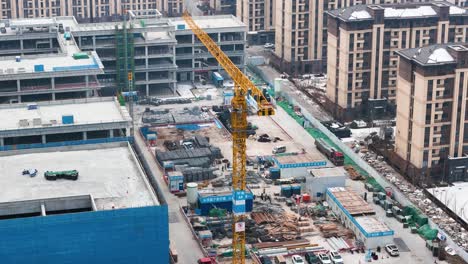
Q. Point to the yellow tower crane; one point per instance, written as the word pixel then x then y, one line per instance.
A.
pixel 243 87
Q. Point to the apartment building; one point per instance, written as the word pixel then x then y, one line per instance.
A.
pixel 84 10
pixel 362 44
pixel 432 111
pixel 259 16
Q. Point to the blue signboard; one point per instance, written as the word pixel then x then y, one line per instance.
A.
pixel 222 198
pixel 238 202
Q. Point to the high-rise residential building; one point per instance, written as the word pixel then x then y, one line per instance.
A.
pixel 432 111
pixel 362 44
pixel 301 33
pixel 259 16
pixel 84 10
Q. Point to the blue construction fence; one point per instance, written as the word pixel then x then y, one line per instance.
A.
pixel 66 143
pixel 133 235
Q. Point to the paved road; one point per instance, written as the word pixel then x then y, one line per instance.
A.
pixel 179 232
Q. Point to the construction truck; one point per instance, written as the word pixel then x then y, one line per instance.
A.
pixel 336 157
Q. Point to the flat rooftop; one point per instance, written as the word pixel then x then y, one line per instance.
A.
pixel 298 158
pixel 454 197
pixel 86 111
pixel 372 225
pixel 351 201
pixel 328 172
pixel 111 175
pixel 206 22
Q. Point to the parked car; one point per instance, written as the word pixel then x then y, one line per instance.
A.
pixel 269 46
pixel 311 258
pixel 392 250
pixel 336 257
pixel 296 259
pixel 324 259
pixel 265 260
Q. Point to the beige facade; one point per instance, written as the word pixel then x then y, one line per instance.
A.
pixel 258 15
pixel 432 115
pixel 83 10
pixel 301 32
pixel 363 64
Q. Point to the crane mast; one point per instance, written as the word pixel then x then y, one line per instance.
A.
pixel 243 87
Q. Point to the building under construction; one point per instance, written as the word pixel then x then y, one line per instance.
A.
pixel 59 58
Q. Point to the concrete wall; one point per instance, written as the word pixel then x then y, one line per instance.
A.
pixel 136 235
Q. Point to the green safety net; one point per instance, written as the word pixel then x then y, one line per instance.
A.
pixel 216 212
pixel 427 232
pixel 121 100
pixel 417 217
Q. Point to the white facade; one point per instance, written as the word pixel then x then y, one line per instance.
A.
pixel 318 180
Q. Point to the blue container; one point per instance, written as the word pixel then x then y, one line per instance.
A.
pixel 296 189
pixel 67 119
pixel 180 27
pixel 286 191
pixel 275 173
pixel 39 67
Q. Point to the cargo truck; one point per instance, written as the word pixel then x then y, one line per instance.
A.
pixel 336 157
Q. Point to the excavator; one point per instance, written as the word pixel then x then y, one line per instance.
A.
pixel 243 88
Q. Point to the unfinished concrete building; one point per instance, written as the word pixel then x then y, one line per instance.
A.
pixel 362 45
pixel 193 60
pixel 259 16
pixel 84 10
pixel 157 52
pixel 39 63
pixel 432 111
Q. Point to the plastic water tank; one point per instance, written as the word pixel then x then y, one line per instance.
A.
pixel 278 82
pixel 192 193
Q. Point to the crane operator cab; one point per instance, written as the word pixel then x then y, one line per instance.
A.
pixel 266 110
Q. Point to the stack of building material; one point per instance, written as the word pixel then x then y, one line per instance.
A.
pixel 353 174
pixel 263 218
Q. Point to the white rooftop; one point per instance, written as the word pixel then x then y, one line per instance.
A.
pixel 360 15
pixel 440 55
pixel 371 225
pixel 88 111
pixel 328 172
pixel 410 12
pixel 111 175
pixel 454 197
pixel 222 21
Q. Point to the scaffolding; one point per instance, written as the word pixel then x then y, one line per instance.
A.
pixel 125 59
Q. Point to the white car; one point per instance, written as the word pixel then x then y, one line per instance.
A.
pixel 336 258
pixel 392 250
pixel 324 259
pixel 296 259
pixel 269 46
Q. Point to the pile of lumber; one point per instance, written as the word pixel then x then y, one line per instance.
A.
pixel 353 174
pixel 263 218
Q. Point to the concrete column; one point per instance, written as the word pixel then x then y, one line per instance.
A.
pixel 79 42
pixel 147 90
pixel 2 142
pixel 18 85
pixel 21 46
pixel 52 83
pixel 44 139
pixel 51 43
pixel 19 98
pixel 53 96
pixel 43 209
pixel 87 81
pixel 85 135
pixel 94 42
pixel 111 133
